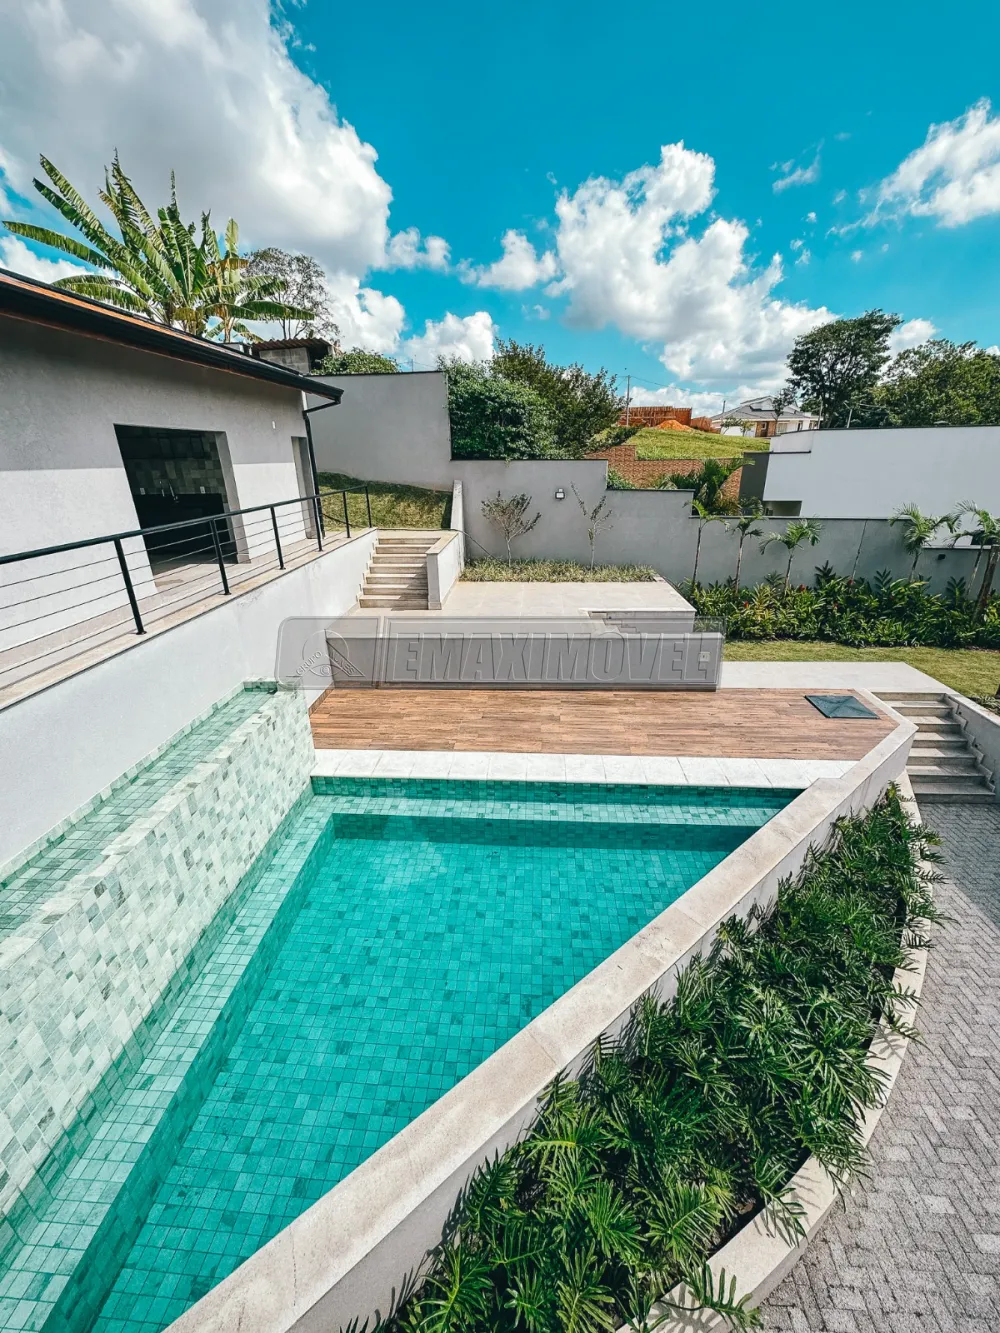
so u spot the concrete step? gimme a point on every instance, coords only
(895, 700)
(406, 543)
(953, 763)
(395, 590)
(931, 773)
(932, 744)
(390, 603)
(922, 708)
(939, 726)
(387, 566)
(947, 793)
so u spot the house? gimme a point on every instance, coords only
(760, 421)
(110, 423)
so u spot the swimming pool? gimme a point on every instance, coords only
(395, 935)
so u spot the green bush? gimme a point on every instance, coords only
(492, 417)
(357, 362)
(886, 613)
(491, 570)
(698, 1114)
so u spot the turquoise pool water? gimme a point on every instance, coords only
(399, 934)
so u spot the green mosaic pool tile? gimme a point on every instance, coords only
(81, 846)
(422, 944)
(580, 802)
(98, 1203)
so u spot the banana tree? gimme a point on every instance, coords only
(798, 531)
(156, 268)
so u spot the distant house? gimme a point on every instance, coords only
(758, 414)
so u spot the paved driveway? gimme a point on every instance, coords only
(917, 1247)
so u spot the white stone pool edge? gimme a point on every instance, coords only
(346, 1254)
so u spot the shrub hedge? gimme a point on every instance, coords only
(698, 1114)
(885, 613)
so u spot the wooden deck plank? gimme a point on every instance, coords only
(766, 724)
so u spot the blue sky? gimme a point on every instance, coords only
(484, 118)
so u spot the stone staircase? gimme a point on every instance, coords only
(397, 577)
(943, 765)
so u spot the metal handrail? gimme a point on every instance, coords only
(314, 500)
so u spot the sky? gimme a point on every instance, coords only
(673, 192)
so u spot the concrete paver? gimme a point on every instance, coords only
(915, 1248)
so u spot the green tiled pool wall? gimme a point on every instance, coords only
(61, 1274)
(102, 920)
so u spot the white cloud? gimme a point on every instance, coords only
(857, 256)
(800, 176)
(628, 259)
(407, 249)
(518, 268)
(804, 256)
(911, 334)
(455, 337)
(840, 196)
(797, 244)
(366, 317)
(954, 176)
(207, 87)
(15, 255)
(810, 217)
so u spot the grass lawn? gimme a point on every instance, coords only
(971, 671)
(393, 505)
(554, 571)
(651, 443)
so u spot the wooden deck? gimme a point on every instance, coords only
(764, 724)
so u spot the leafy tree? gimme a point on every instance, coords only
(599, 519)
(303, 285)
(510, 516)
(798, 531)
(357, 362)
(492, 417)
(782, 399)
(958, 383)
(839, 364)
(157, 268)
(919, 529)
(580, 404)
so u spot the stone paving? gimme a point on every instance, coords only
(916, 1247)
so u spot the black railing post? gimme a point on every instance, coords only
(218, 556)
(139, 628)
(318, 512)
(347, 521)
(277, 539)
(368, 502)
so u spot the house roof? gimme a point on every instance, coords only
(41, 303)
(764, 407)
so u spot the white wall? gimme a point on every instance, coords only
(70, 740)
(871, 473)
(387, 428)
(656, 528)
(61, 473)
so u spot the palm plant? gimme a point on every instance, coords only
(704, 515)
(156, 268)
(986, 535)
(919, 529)
(799, 530)
(744, 525)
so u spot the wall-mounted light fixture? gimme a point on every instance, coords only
(560, 493)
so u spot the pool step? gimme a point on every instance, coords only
(944, 766)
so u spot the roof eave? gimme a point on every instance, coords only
(39, 303)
